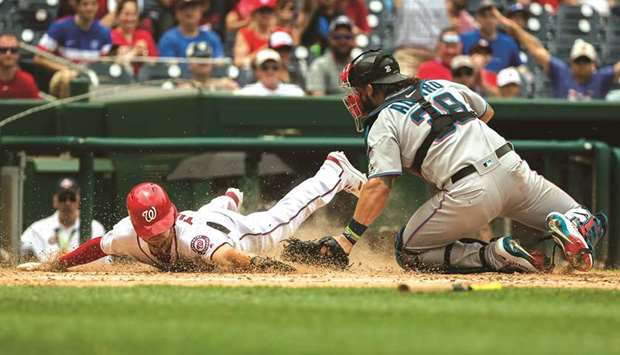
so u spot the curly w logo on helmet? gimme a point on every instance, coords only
(150, 214)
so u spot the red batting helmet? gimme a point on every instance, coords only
(150, 210)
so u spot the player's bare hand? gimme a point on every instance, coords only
(503, 20)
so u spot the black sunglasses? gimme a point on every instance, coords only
(67, 196)
(582, 60)
(463, 71)
(12, 50)
(342, 37)
(266, 67)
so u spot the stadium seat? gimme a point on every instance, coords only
(576, 22)
(380, 20)
(37, 15)
(111, 73)
(159, 71)
(611, 50)
(541, 23)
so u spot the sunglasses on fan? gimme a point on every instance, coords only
(267, 67)
(12, 50)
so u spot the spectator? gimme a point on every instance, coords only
(509, 83)
(417, 27)
(175, 41)
(131, 41)
(463, 71)
(460, 18)
(240, 16)
(448, 47)
(357, 11)
(313, 23)
(158, 17)
(577, 80)
(60, 232)
(68, 8)
(201, 71)
(80, 38)
(324, 75)
(291, 71)
(268, 63)
(285, 15)
(14, 82)
(486, 80)
(255, 36)
(504, 47)
(519, 13)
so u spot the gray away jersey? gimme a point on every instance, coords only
(401, 127)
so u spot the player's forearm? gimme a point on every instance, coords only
(373, 199)
(85, 253)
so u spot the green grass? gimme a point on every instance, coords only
(215, 320)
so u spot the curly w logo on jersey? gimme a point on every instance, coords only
(150, 214)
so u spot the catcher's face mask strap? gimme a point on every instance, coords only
(353, 103)
(344, 76)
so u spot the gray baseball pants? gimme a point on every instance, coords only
(509, 188)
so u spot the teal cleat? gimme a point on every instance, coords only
(514, 256)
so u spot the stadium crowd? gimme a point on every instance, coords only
(568, 49)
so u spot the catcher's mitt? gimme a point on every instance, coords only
(264, 264)
(309, 252)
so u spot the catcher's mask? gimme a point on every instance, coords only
(370, 67)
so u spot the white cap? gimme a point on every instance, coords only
(461, 61)
(582, 48)
(266, 54)
(508, 76)
(280, 39)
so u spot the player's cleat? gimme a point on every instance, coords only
(594, 229)
(512, 255)
(353, 179)
(565, 233)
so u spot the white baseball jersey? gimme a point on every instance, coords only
(200, 233)
(193, 244)
(401, 127)
(47, 237)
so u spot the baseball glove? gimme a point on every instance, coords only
(309, 252)
(264, 264)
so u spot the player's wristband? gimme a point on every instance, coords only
(353, 232)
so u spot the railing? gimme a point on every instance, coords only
(85, 148)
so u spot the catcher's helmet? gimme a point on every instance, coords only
(150, 210)
(370, 67)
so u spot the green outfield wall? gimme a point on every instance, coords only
(205, 115)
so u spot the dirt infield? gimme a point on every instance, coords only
(130, 275)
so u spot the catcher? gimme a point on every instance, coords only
(217, 235)
(438, 130)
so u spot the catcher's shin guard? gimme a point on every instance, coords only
(464, 256)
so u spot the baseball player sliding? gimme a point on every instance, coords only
(438, 130)
(217, 234)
